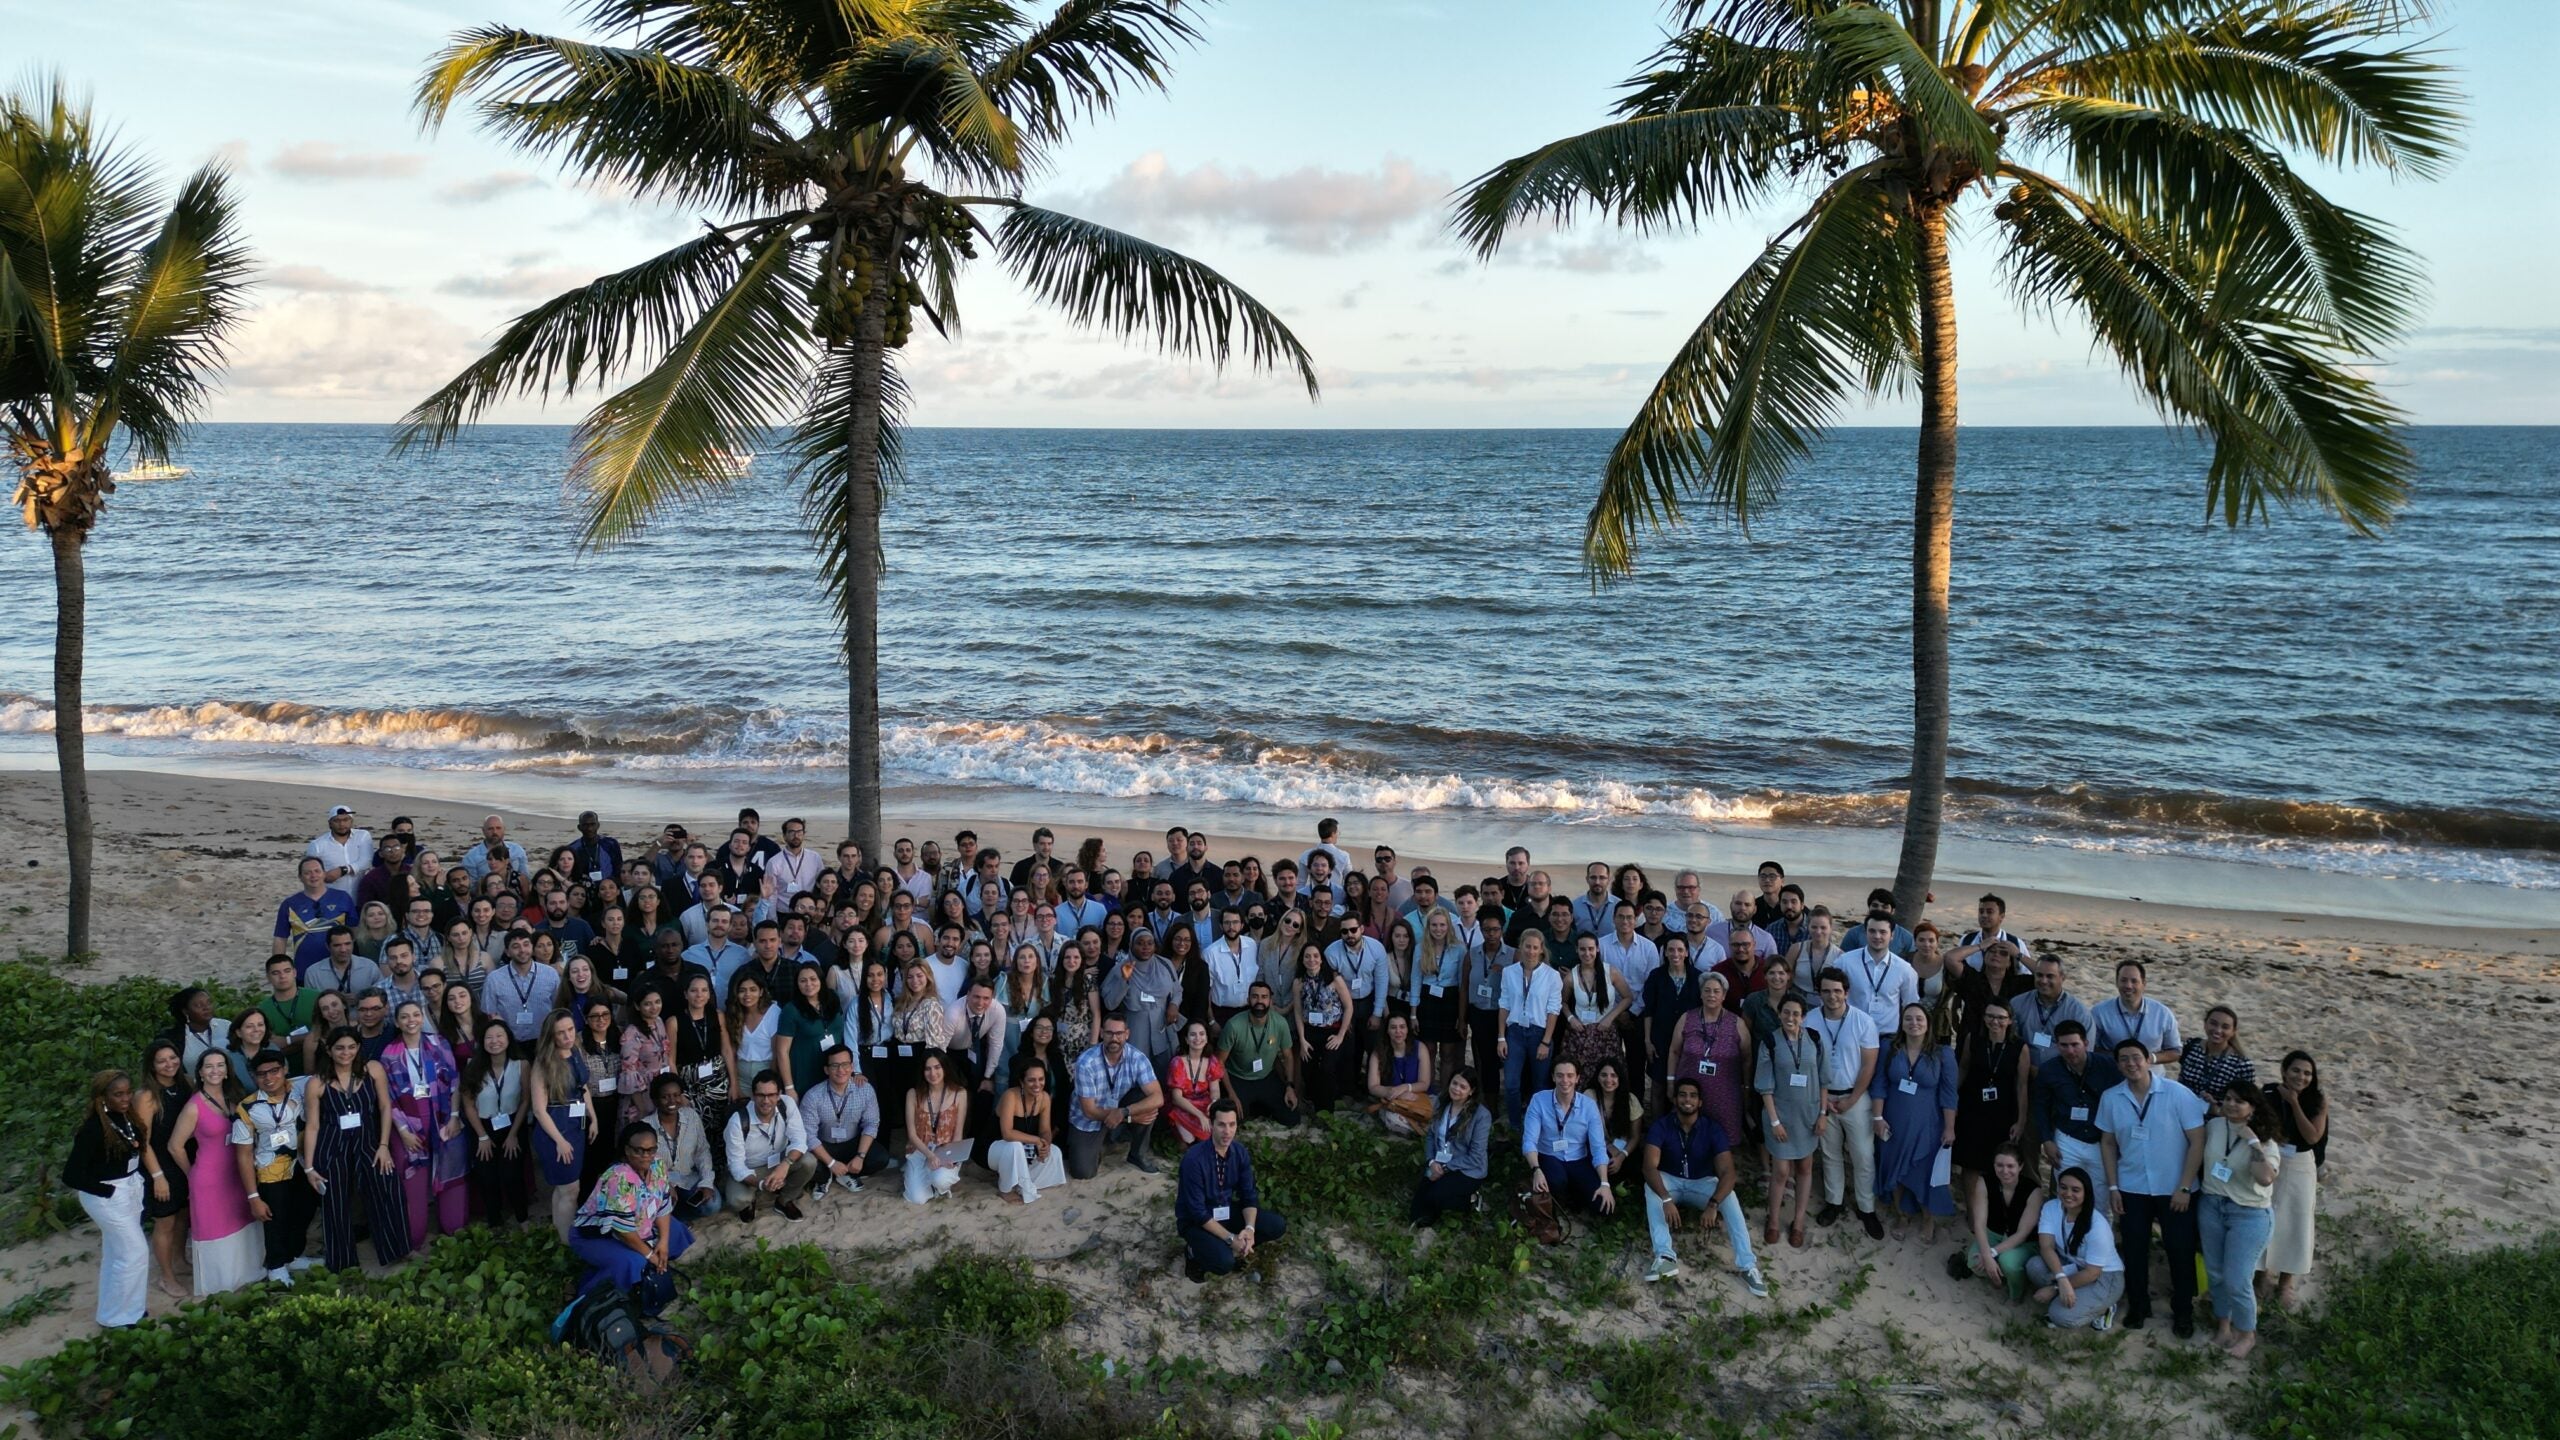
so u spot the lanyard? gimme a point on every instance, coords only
(523, 986)
(2142, 1112)
(836, 1103)
(417, 1068)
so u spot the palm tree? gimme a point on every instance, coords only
(2137, 160)
(115, 305)
(852, 150)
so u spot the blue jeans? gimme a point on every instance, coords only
(610, 1262)
(1523, 1064)
(2233, 1237)
(1696, 1195)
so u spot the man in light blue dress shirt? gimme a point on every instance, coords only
(2151, 1136)
(1563, 1139)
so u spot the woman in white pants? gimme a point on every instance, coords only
(936, 1110)
(1022, 1155)
(105, 1168)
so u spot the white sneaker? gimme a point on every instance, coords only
(280, 1275)
(303, 1262)
(853, 1184)
(1662, 1268)
(1752, 1281)
(826, 1183)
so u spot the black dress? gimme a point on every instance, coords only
(173, 1101)
(1986, 1101)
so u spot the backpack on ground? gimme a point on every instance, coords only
(615, 1325)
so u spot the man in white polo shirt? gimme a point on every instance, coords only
(1849, 1044)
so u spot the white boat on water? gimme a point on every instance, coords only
(152, 470)
(733, 463)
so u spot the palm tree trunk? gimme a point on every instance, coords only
(70, 640)
(862, 566)
(1932, 537)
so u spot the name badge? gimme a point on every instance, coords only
(419, 1091)
(706, 1069)
(349, 1121)
(1437, 991)
(2079, 1112)
(297, 1032)
(501, 1122)
(838, 1134)
(2222, 1170)
(577, 1110)
(879, 1052)
(2041, 1040)
(1908, 1087)
(1587, 1014)
(1706, 1067)
(827, 1041)
(621, 972)
(1990, 1093)
(524, 1019)
(1146, 999)
(1219, 1214)
(280, 1139)
(606, 1084)
(1797, 1081)
(906, 1051)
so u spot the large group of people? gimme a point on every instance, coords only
(630, 1041)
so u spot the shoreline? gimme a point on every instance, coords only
(2168, 886)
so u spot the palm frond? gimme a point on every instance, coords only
(589, 334)
(1072, 65)
(2300, 79)
(1860, 39)
(175, 319)
(666, 436)
(630, 117)
(925, 87)
(825, 442)
(1645, 172)
(1829, 308)
(1704, 69)
(75, 213)
(2220, 189)
(1126, 286)
(2212, 342)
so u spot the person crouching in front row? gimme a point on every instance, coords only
(768, 1153)
(1216, 1206)
(1565, 1142)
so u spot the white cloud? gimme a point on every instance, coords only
(1309, 209)
(519, 281)
(326, 160)
(343, 355)
(483, 189)
(312, 280)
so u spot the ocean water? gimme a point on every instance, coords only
(1377, 621)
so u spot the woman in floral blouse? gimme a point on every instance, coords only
(627, 1232)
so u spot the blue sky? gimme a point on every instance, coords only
(1306, 150)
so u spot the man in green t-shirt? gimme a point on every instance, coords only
(1261, 1061)
(288, 1008)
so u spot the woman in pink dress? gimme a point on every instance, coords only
(227, 1250)
(1708, 1047)
(433, 1154)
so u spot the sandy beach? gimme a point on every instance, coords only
(2425, 1034)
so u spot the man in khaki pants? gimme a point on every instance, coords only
(1848, 1143)
(768, 1150)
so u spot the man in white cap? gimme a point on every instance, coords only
(344, 851)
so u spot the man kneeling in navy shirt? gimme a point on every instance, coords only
(1215, 1204)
